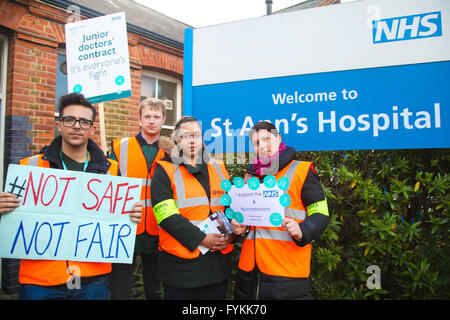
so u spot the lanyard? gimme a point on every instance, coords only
(85, 163)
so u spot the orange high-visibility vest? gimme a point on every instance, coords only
(272, 248)
(132, 164)
(56, 272)
(192, 202)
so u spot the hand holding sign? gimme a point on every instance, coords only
(136, 212)
(8, 202)
(238, 228)
(293, 228)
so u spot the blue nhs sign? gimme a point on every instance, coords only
(270, 194)
(417, 26)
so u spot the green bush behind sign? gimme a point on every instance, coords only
(388, 208)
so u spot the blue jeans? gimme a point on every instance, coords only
(93, 290)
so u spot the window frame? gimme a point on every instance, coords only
(4, 41)
(60, 51)
(3, 83)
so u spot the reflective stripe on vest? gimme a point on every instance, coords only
(294, 213)
(288, 212)
(33, 161)
(133, 164)
(270, 234)
(216, 166)
(123, 159)
(183, 202)
(147, 200)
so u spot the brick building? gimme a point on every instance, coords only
(33, 76)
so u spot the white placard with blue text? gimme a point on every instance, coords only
(260, 207)
(69, 215)
(372, 74)
(97, 58)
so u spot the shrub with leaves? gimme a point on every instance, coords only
(388, 208)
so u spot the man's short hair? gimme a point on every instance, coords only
(264, 125)
(153, 103)
(75, 98)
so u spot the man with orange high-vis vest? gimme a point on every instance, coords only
(72, 150)
(137, 157)
(275, 261)
(186, 191)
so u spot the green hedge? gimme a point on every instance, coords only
(388, 208)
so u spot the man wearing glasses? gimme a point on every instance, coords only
(72, 150)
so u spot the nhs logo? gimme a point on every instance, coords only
(270, 194)
(417, 26)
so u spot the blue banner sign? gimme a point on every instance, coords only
(349, 84)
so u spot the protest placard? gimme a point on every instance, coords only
(97, 58)
(69, 215)
(256, 204)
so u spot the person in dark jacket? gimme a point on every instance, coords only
(73, 150)
(136, 157)
(185, 190)
(275, 262)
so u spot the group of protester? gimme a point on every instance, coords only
(181, 187)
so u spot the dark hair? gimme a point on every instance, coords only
(75, 98)
(185, 119)
(264, 125)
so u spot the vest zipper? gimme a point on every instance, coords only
(257, 285)
(144, 218)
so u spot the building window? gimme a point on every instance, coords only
(61, 78)
(166, 88)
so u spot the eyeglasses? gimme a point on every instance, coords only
(195, 135)
(69, 122)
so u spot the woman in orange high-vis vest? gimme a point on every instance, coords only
(72, 150)
(275, 261)
(186, 191)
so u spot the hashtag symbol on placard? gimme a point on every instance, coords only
(14, 185)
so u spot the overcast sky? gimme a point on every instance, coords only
(200, 13)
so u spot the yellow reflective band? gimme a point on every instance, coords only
(318, 207)
(165, 209)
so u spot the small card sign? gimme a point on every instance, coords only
(256, 204)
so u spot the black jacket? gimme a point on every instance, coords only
(98, 163)
(210, 268)
(257, 285)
